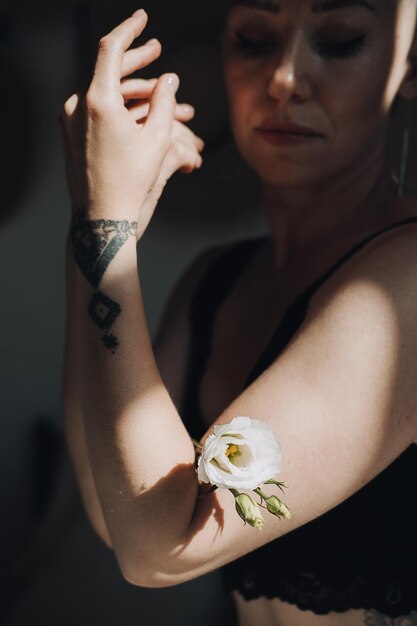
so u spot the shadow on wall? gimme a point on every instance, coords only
(17, 125)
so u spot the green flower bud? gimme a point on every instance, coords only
(248, 510)
(276, 507)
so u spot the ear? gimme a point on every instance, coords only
(408, 88)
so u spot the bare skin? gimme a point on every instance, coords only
(118, 398)
(232, 356)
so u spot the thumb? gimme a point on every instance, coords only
(162, 105)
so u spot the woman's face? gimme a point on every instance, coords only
(332, 66)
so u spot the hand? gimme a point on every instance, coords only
(179, 157)
(126, 137)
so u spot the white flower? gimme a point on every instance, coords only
(241, 455)
(248, 510)
(277, 507)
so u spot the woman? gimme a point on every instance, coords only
(311, 329)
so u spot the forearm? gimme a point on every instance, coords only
(141, 455)
(72, 416)
(74, 433)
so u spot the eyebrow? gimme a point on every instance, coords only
(272, 6)
(332, 5)
(263, 5)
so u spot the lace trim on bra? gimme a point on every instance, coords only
(310, 591)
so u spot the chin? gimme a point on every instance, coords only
(288, 175)
(284, 169)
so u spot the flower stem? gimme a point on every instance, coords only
(277, 483)
(261, 494)
(209, 491)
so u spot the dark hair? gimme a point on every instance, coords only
(227, 4)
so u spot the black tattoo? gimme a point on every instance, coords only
(96, 243)
(373, 618)
(103, 311)
(111, 342)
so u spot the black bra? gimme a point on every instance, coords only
(360, 555)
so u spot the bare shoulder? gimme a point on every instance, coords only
(172, 343)
(394, 250)
(384, 267)
(361, 326)
(368, 310)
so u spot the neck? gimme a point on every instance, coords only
(308, 220)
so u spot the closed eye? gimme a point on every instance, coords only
(340, 49)
(253, 46)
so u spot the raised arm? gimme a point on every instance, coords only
(342, 397)
(171, 349)
(136, 95)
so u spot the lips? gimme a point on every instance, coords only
(287, 128)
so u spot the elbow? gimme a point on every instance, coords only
(144, 579)
(138, 577)
(146, 575)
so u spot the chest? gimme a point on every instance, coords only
(241, 330)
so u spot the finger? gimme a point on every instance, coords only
(181, 158)
(137, 88)
(197, 141)
(68, 156)
(188, 169)
(183, 133)
(184, 112)
(191, 161)
(70, 119)
(140, 111)
(71, 105)
(112, 47)
(162, 107)
(138, 58)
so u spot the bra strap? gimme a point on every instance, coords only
(216, 284)
(297, 310)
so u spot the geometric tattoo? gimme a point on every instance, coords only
(373, 618)
(103, 311)
(96, 243)
(111, 342)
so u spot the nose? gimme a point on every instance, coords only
(290, 79)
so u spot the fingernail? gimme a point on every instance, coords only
(173, 81)
(138, 13)
(151, 42)
(187, 108)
